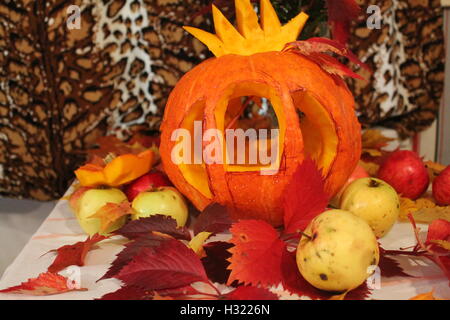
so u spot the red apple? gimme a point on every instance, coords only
(441, 188)
(406, 173)
(147, 182)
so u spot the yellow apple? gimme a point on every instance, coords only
(373, 200)
(336, 251)
(166, 201)
(90, 202)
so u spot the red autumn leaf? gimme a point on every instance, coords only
(169, 265)
(256, 255)
(45, 284)
(216, 261)
(317, 49)
(340, 15)
(131, 250)
(215, 219)
(251, 293)
(73, 254)
(304, 197)
(110, 213)
(294, 282)
(129, 293)
(391, 268)
(157, 223)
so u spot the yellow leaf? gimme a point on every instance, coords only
(423, 210)
(442, 243)
(425, 296)
(196, 244)
(374, 139)
(339, 296)
(370, 167)
(373, 152)
(110, 213)
(434, 169)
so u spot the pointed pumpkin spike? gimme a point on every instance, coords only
(269, 19)
(225, 30)
(214, 44)
(247, 19)
(293, 28)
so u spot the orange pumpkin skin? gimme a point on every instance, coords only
(250, 194)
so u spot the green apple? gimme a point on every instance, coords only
(373, 200)
(90, 202)
(166, 201)
(336, 251)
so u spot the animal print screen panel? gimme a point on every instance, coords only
(62, 88)
(407, 56)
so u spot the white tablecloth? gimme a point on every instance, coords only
(61, 228)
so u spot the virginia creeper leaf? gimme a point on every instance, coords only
(389, 267)
(45, 284)
(215, 219)
(251, 293)
(74, 254)
(132, 249)
(216, 261)
(169, 265)
(129, 293)
(256, 255)
(304, 197)
(340, 15)
(157, 223)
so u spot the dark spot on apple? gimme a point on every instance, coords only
(314, 236)
(373, 183)
(174, 198)
(323, 276)
(305, 259)
(398, 205)
(318, 255)
(374, 261)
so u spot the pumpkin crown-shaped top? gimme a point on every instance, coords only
(250, 37)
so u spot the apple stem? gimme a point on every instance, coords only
(304, 234)
(373, 183)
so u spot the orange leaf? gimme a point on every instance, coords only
(74, 254)
(423, 210)
(373, 139)
(45, 284)
(425, 296)
(110, 213)
(434, 169)
(120, 170)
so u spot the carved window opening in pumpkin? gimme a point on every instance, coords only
(259, 147)
(318, 129)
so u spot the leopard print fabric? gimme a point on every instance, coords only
(61, 88)
(407, 56)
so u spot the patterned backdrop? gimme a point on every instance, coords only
(61, 89)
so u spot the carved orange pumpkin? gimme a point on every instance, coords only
(327, 129)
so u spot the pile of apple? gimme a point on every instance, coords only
(149, 194)
(338, 250)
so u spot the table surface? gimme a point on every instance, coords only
(61, 228)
